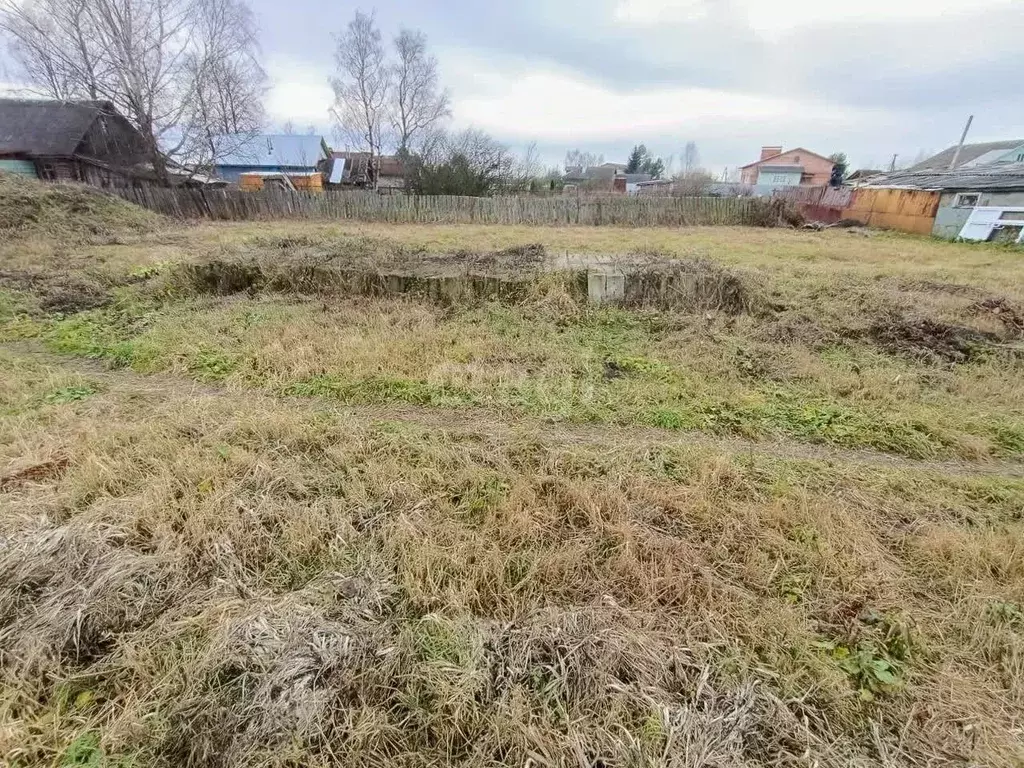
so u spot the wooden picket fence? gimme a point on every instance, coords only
(235, 205)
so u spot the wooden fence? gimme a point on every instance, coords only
(234, 205)
(825, 204)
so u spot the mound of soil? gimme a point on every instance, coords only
(29, 207)
(61, 292)
(690, 285)
(1009, 314)
(923, 339)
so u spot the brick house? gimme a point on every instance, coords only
(794, 167)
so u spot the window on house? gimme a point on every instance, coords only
(796, 158)
(965, 200)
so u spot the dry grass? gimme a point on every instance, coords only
(199, 568)
(205, 578)
(70, 211)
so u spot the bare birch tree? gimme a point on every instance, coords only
(576, 158)
(178, 70)
(361, 87)
(418, 104)
(229, 81)
(691, 157)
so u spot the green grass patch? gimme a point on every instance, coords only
(1009, 437)
(381, 389)
(70, 394)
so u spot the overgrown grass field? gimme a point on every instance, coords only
(276, 521)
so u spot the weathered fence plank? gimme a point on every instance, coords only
(227, 205)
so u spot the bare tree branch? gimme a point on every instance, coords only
(361, 87)
(181, 71)
(418, 103)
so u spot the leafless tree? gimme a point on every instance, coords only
(418, 103)
(228, 79)
(288, 128)
(576, 158)
(691, 157)
(178, 70)
(361, 87)
(692, 183)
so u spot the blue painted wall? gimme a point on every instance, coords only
(20, 167)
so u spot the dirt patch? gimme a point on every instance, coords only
(690, 285)
(796, 328)
(1009, 314)
(219, 277)
(59, 292)
(923, 339)
(531, 255)
(514, 274)
(35, 473)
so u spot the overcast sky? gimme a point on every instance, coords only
(868, 77)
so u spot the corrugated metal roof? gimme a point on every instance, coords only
(1003, 176)
(968, 154)
(271, 150)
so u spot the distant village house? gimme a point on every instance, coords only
(267, 153)
(354, 169)
(85, 141)
(792, 168)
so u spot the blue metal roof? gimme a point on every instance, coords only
(271, 150)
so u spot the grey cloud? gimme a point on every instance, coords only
(921, 77)
(921, 64)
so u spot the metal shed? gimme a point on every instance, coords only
(961, 194)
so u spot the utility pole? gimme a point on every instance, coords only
(963, 137)
(892, 165)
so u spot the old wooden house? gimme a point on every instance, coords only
(86, 141)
